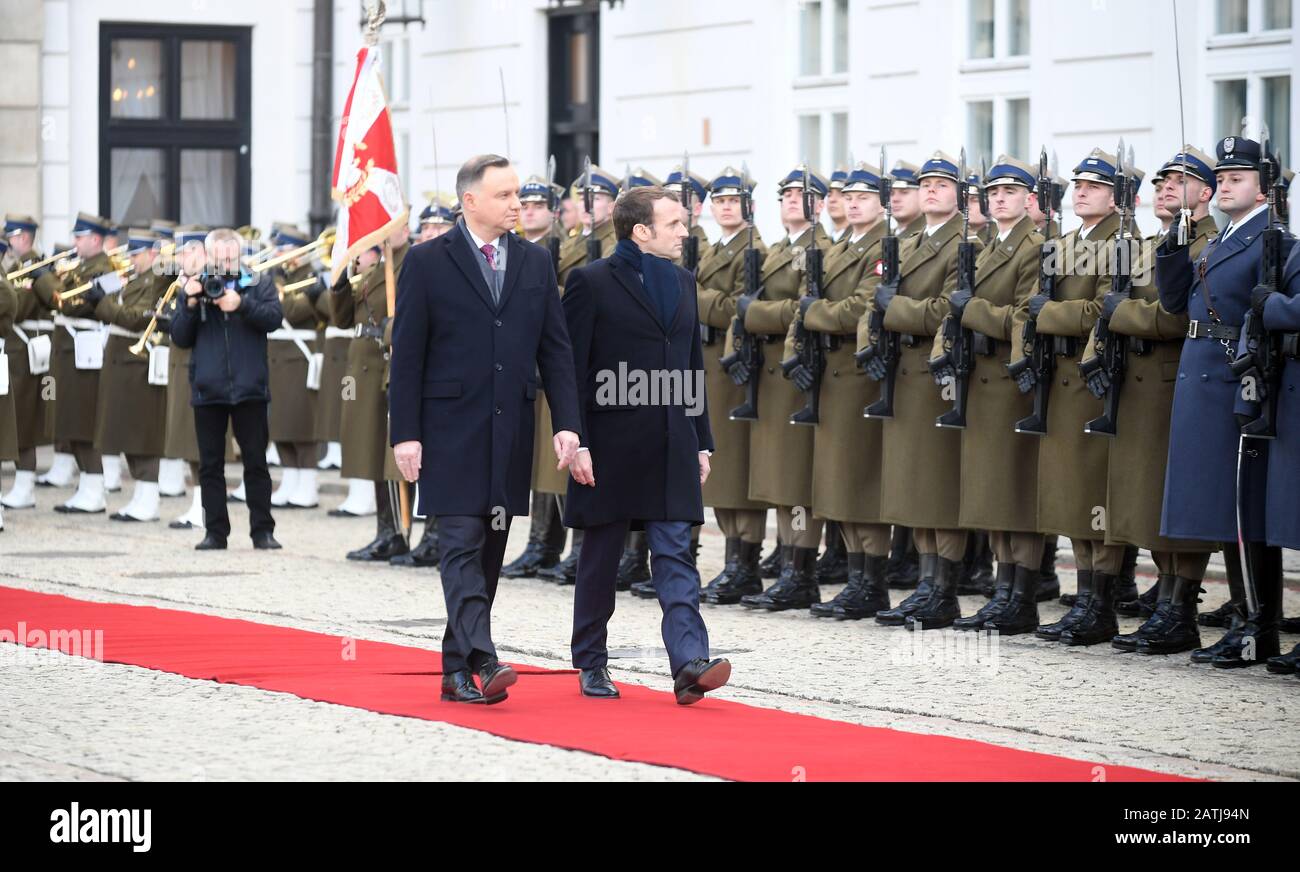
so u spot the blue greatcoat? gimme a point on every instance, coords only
(1200, 478)
(1282, 313)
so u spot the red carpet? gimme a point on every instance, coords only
(714, 737)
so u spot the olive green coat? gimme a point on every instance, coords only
(780, 453)
(77, 396)
(546, 478)
(846, 446)
(1072, 465)
(999, 470)
(720, 278)
(8, 414)
(293, 405)
(921, 476)
(132, 414)
(1136, 473)
(329, 405)
(35, 418)
(364, 425)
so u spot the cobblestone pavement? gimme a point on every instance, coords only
(85, 720)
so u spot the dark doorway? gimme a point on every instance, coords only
(573, 52)
(175, 104)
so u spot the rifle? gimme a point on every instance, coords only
(553, 204)
(745, 346)
(810, 347)
(691, 245)
(1112, 350)
(1040, 351)
(588, 198)
(958, 343)
(884, 344)
(1260, 361)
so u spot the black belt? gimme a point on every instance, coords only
(1211, 330)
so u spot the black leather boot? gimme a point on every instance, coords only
(942, 607)
(1144, 606)
(976, 566)
(904, 567)
(634, 566)
(731, 550)
(1049, 584)
(425, 554)
(1231, 641)
(1285, 664)
(863, 595)
(1160, 614)
(795, 589)
(1078, 605)
(770, 567)
(1098, 623)
(1289, 625)
(388, 542)
(897, 616)
(1021, 612)
(1001, 594)
(1233, 612)
(832, 566)
(566, 571)
(539, 553)
(1178, 632)
(1126, 589)
(744, 581)
(1259, 639)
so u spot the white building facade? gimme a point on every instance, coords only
(201, 111)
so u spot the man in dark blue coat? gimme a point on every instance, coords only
(646, 440)
(477, 315)
(225, 319)
(1201, 479)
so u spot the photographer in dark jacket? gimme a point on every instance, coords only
(225, 319)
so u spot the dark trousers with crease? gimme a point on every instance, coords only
(471, 554)
(676, 582)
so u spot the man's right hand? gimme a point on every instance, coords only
(192, 290)
(407, 457)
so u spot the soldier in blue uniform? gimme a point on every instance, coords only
(1201, 479)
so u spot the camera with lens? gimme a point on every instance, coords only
(214, 284)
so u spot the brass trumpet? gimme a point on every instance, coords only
(138, 348)
(306, 283)
(325, 240)
(67, 261)
(80, 289)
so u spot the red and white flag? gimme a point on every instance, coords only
(366, 186)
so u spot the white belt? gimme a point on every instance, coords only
(291, 335)
(35, 325)
(339, 333)
(72, 324)
(114, 330)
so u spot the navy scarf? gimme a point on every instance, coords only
(658, 277)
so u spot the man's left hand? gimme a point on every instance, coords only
(566, 445)
(229, 301)
(704, 467)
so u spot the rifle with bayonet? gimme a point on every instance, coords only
(745, 361)
(1259, 362)
(588, 204)
(553, 203)
(958, 343)
(880, 358)
(1104, 372)
(1039, 362)
(691, 244)
(810, 347)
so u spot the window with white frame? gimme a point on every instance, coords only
(822, 152)
(997, 29)
(823, 37)
(395, 68)
(1246, 101)
(997, 126)
(1251, 16)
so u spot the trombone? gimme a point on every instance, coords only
(138, 348)
(325, 240)
(67, 261)
(306, 283)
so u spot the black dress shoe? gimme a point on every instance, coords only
(1289, 625)
(644, 589)
(493, 679)
(211, 542)
(1222, 616)
(459, 687)
(1285, 664)
(70, 510)
(264, 541)
(596, 683)
(699, 677)
(381, 549)
(180, 525)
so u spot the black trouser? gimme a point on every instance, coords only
(471, 553)
(251, 432)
